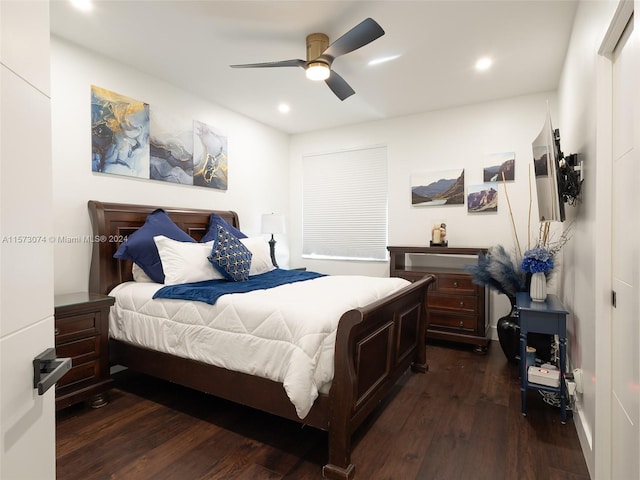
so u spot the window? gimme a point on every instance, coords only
(345, 205)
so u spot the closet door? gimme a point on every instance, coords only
(625, 430)
(27, 423)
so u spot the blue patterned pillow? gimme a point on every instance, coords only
(230, 257)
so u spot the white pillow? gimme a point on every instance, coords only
(139, 275)
(185, 262)
(261, 256)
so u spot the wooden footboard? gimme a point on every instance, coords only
(374, 346)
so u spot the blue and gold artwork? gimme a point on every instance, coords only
(171, 141)
(119, 134)
(210, 166)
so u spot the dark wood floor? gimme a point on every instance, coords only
(461, 420)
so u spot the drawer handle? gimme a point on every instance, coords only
(461, 323)
(462, 304)
(56, 331)
(455, 284)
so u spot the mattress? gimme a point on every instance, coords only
(286, 333)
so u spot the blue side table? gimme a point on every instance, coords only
(549, 317)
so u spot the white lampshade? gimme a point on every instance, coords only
(318, 71)
(272, 223)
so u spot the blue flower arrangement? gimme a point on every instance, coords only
(498, 269)
(536, 260)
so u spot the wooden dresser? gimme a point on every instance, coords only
(81, 333)
(457, 308)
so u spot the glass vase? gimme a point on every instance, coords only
(538, 288)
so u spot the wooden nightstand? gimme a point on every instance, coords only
(82, 333)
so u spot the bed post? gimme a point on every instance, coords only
(419, 364)
(341, 401)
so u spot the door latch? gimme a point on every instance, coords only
(47, 370)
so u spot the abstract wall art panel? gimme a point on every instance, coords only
(171, 142)
(210, 168)
(119, 134)
(444, 187)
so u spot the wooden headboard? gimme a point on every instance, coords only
(113, 222)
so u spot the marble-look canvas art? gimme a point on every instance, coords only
(210, 168)
(119, 134)
(171, 143)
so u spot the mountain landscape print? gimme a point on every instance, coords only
(498, 164)
(482, 198)
(445, 187)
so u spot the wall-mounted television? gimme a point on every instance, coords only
(546, 164)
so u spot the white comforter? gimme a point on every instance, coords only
(285, 334)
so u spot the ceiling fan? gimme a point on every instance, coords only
(320, 55)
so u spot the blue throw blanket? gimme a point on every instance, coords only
(210, 290)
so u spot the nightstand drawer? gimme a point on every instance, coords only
(458, 322)
(80, 373)
(84, 325)
(80, 350)
(456, 284)
(458, 303)
(82, 334)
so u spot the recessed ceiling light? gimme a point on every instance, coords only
(377, 61)
(284, 108)
(84, 5)
(484, 63)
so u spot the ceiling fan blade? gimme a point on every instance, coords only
(283, 63)
(339, 86)
(360, 35)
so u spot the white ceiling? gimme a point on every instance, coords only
(192, 43)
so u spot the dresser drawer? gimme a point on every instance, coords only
(77, 326)
(458, 303)
(452, 321)
(80, 350)
(456, 284)
(87, 371)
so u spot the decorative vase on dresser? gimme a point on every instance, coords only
(538, 287)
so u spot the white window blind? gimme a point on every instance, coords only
(345, 205)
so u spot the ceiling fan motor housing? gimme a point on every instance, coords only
(317, 43)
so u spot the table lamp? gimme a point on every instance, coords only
(273, 223)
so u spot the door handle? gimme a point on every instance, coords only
(47, 370)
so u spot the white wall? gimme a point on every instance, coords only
(587, 258)
(440, 140)
(258, 157)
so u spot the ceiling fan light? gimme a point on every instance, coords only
(318, 71)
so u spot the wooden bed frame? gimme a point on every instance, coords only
(375, 344)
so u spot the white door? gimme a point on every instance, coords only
(625, 430)
(27, 420)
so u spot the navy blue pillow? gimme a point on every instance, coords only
(212, 231)
(141, 249)
(230, 257)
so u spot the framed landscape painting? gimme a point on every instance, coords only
(482, 198)
(498, 164)
(444, 187)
